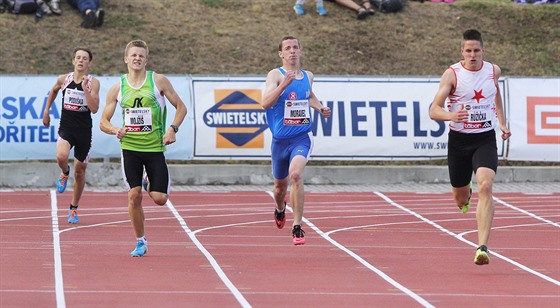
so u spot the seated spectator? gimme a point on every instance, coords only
(298, 7)
(364, 10)
(49, 6)
(92, 15)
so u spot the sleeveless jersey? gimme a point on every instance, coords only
(291, 114)
(474, 91)
(144, 114)
(75, 111)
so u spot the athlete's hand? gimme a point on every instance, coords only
(460, 115)
(505, 132)
(326, 112)
(46, 119)
(120, 133)
(169, 137)
(289, 77)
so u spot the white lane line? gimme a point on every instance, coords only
(209, 257)
(380, 273)
(460, 237)
(526, 212)
(58, 281)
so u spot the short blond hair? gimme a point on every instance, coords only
(136, 43)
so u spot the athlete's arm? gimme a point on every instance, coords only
(92, 96)
(110, 106)
(166, 88)
(314, 101)
(52, 95)
(437, 112)
(499, 105)
(276, 83)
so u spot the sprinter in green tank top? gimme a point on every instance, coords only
(144, 135)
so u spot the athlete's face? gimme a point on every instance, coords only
(290, 52)
(136, 58)
(472, 53)
(81, 60)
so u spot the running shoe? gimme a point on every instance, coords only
(73, 217)
(280, 217)
(481, 256)
(99, 17)
(465, 208)
(61, 183)
(140, 250)
(298, 235)
(321, 10)
(145, 181)
(299, 9)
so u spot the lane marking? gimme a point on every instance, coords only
(380, 273)
(526, 212)
(209, 257)
(58, 281)
(460, 237)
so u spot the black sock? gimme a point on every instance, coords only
(73, 207)
(67, 172)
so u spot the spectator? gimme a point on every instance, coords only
(320, 8)
(364, 10)
(49, 6)
(92, 15)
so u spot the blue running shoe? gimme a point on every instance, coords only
(61, 183)
(73, 217)
(321, 10)
(140, 250)
(299, 9)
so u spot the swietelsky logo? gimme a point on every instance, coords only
(238, 118)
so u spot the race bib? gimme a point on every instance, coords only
(74, 100)
(296, 112)
(138, 120)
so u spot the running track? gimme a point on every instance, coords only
(222, 249)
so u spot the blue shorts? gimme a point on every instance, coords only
(284, 150)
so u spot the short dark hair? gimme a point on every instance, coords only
(285, 38)
(472, 35)
(84, 49)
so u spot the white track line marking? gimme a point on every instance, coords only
(208, 255)
(380, 273)
(526, 213)
(58, 281)
(460, 237)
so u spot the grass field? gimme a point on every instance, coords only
(241, 36)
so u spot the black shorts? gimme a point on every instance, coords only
(80, 140)
(468, 152)
(134, 163)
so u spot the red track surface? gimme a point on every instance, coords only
(218, 249)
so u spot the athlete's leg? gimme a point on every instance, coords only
(461, 195)
(135, 210)
(79, 181)
(62, 152)
(280, 189)
(485, 207)
(297, 189)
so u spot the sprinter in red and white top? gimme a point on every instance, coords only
(474, 108)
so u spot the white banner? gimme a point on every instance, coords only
(534, 119)
(23, 136)
(372, 119)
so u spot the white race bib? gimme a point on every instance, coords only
(137, 120)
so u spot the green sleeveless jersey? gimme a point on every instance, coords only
(144, 115)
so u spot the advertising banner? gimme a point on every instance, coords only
(535, 120)
(372, 119)
(24, 137)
